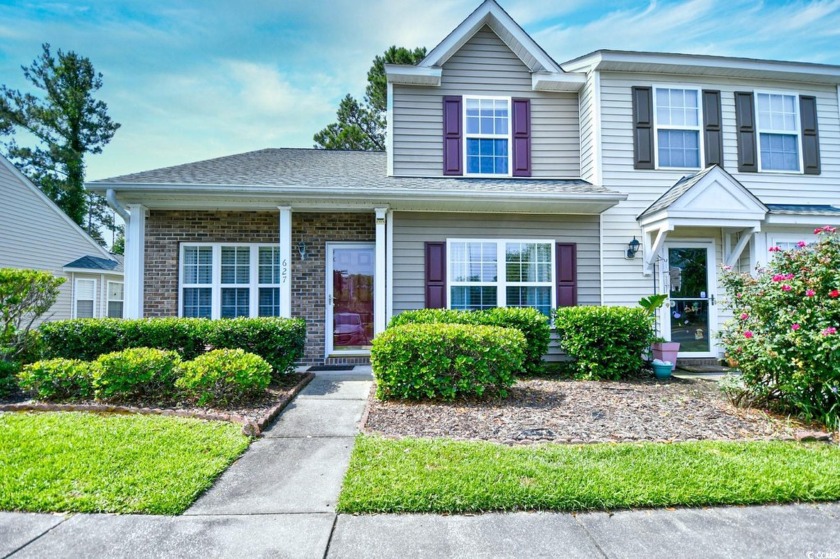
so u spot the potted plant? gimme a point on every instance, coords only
(660, 348)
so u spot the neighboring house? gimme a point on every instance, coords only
(37, 234)
(509, 180)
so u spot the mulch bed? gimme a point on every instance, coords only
(569, 411)
(254, 415)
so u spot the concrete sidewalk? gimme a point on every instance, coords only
(278, 500)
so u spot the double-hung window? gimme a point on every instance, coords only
(84, 298)
(487, 125)
(678, 120)
(115, 299)
(485, 274)
(223, 280)
(778, 132)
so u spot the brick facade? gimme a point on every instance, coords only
(165, 230)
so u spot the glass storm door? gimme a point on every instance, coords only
(349, 317)
(689, 277)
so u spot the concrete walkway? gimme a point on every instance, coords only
(279, 500)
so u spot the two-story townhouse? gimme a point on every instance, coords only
(509, 180)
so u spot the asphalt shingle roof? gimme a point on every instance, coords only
(803, 209)
(351, 170)
(96, 263)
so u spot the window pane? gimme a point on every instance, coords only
(779, 152)
(235, 302)
(536, 297)
(236, 264)
(487, 156)
(473, 297)
(115, 309)
(198, 265)
(677, 107)
(84, 309)
(269, 304)
(528, 262)
(269, 262)
(115, 291)
(197, 302)
(777, 112)
(472, 262)
(679, 148)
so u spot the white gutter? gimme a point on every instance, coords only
(111, 198)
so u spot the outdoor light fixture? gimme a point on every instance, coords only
(302, 250)
(633, 248)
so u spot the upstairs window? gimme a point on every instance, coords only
(778, 132)
(678, 123)
(487, 126)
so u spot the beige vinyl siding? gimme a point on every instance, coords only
(413, 229)
(33, 235)
(624, 282)
(101, 294)
(484, 66)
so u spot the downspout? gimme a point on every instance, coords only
(111, 198)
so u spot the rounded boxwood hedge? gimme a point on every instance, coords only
(531, 322)
(445, 361)
(136, 373)
(224, 376)
(57, 379)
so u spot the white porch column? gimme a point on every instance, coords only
(285, 261)
(135, 243)
(389, 267)
(379, 280)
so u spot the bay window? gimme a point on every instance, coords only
(485, 274)
(227, 280)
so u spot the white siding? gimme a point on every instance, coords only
(33, 235)
(484, 66)
(412, 230)
(588, 138)
(624, 282)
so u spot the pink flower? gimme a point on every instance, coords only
(778, 277)
(786, 287)
(810, 293)
(829, 331)
(795, 327)
(834, 294)
(777, 249)
(744, 316)
(829, 229)
(748, 334)
(727, 268)
(788, 276)
(818, 230)
(801, 244)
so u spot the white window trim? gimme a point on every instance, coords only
(467, 136)
(501, 284)
(698, 128)
(108, 299)
(759, 131)
(76, 295)
(216, 278)
(791, 238)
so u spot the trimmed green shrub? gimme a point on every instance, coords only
(88, 338)
(785, 334)
(58, 379)
(445, 361)
(606, 343)
(224, 376)
(8, 377)
(136, 373)
(279, 341)
(531, 322)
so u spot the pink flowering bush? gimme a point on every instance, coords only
(784, 334)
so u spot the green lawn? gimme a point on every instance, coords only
(440, 475)
(81, 462)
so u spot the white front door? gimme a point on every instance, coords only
(689, 279)
(349, 288)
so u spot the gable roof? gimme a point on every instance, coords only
(53, 209)
(95, 263)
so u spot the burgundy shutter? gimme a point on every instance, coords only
(712, 134)
(452, 136)
(436, 275)
(566, 274)
(642, 128)
(521, 137)
(745, 127)
(810, 134)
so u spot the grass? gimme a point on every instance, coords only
(81, 462)
(445, 476)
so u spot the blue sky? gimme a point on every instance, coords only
(194, 80)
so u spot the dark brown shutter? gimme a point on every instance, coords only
(642, 128)
(521, 126)
(810, 134)
(712, 134)
(452, 136)
(745, 127)
(566, 274)
(436, 275)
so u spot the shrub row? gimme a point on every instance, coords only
(606, 343)
(413, 361)
(530, 322)
(220, 376)
(279, 341)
